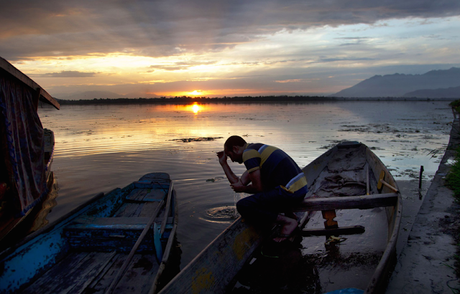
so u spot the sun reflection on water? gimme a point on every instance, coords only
(195, 107)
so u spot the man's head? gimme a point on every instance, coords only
(234, 148)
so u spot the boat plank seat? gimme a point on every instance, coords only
(143, 195)
(138, 206)
(110, 233)
(348, 202)
(350, 230)
(110, 222)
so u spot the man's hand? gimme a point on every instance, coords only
(239, 187)
(232, 178)
(222, 157)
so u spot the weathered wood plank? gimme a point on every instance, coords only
(109, 222)
(135, 247)
(216, 266)
(137, 278)
(108, 265)
(172, 221)
(155, 195)
(75, 272)
(146, 195)
(137, 195)
(104, 240)
(348, 202)
(147, 209)
(107, 234)
(72, 270)
(134, 209)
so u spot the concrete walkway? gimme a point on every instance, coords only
(426, 263)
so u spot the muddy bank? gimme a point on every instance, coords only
(427, 261)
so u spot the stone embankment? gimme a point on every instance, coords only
(427, 261)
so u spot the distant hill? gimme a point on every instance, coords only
(90, 95)
(401, 85)
(453, 92)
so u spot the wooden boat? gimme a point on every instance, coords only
(348, 181)
(49, 151)
(118, 242)
(26, 151)
(16, 226)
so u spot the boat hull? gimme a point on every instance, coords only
(86, 250)
(363, 209)
(13, 225)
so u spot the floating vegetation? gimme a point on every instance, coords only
(377, 128)
(435, 152)
(329, 146)
(198, 139)
(214, 179)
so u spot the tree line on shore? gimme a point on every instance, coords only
(238, 99)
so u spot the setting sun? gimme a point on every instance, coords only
(196, 92)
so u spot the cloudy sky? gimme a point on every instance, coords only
(150, 48)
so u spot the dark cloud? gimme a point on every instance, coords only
(345, 59)
(180, 65)
(351, 41)
(163, 28)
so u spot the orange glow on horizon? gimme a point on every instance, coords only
(196, 93)
(232, 93)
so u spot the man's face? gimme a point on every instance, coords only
(234, 155)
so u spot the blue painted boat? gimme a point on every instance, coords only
(118, 242)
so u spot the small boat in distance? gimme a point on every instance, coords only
(118, 242)
(350, 245)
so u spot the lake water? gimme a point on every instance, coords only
(102, 147)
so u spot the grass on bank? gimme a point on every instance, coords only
(453, 182)
(453, 177)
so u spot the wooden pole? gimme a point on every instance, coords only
(367, 180)
(389, 186)
(420, 177)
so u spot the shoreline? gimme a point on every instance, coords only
(239, 100)
(427, 262)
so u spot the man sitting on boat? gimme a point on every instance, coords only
(275, 180)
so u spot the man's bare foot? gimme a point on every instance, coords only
(288, 226)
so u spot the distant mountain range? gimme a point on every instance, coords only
(433, 84)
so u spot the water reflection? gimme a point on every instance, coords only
(102, 147)
(36, 219)
(225, 214)
(194, 108)
(278, 268)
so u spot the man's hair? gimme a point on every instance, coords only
(234, 141)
